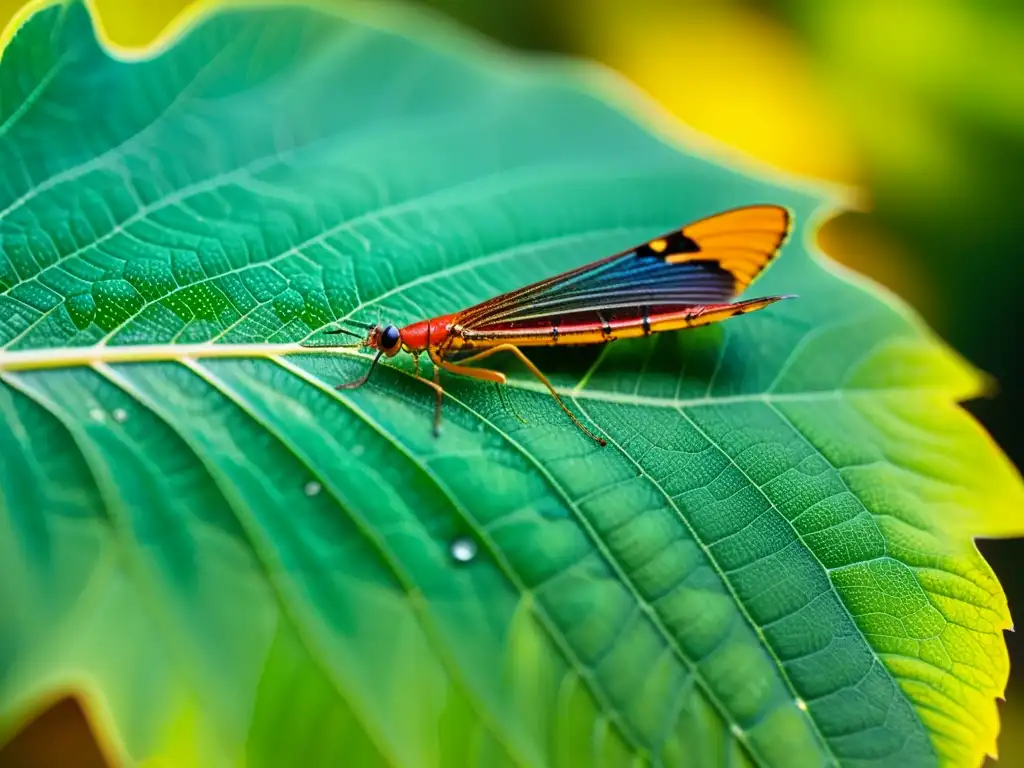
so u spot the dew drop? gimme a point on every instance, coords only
(312, 488)
(120, 415)
(96, 414)
(801, 705)
(463, 549)
(357, 451)
(737, 731)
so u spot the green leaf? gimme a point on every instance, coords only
(234, 563)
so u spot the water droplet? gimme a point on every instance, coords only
(463, 549)
(97, 415)
(801, 705)
(737, 731)
(312, 488)
(357, 451)
(120, 415)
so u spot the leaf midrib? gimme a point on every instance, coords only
(84, 357)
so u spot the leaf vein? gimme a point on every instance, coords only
(264, 558)
(542, 614)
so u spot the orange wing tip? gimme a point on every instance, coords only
(742, 240)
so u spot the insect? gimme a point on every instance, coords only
(683, 279)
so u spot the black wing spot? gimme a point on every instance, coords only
(670, 245)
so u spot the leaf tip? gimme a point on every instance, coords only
(987, 384)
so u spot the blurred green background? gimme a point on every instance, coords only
(916, 105)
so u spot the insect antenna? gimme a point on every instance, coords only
(344, 330)
(334, 332)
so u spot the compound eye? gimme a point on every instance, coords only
(390, 338)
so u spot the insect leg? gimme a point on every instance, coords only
(440, 394)
(362, 379)
(488, 375)
(473, 373)
(434, 385)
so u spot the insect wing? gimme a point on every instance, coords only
(710, 261)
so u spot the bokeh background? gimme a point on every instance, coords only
(917, 104)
